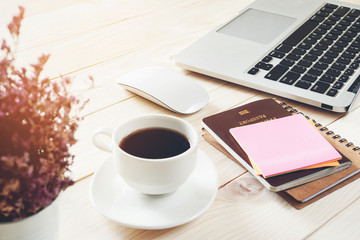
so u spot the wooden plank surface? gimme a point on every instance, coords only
(108, 38)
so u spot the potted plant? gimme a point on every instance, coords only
(38, 119)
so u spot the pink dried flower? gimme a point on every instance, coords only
(36, 132)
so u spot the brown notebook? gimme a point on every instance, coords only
(217, 125)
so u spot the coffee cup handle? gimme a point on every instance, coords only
(100, 142)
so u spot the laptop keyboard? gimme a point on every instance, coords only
(321, 55)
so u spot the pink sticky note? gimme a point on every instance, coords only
(284, 145)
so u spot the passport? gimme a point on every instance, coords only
(218, 126)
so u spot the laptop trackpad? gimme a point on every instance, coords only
(256, 25)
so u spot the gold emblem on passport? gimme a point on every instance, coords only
(243, 112)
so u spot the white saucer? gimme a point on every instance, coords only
(115, 200)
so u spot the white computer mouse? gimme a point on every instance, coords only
(167, 88)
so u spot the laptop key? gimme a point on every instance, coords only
(327, 9)
(311, 40)
(354, 65)
(264, 66)
(336, 31)
(287, 62)
(321, 65)
(315, 71)
(284, 48)
(348, 55)
(276, 72)
(267, 59)
(267, 67)
(305, 63)
(346, 38)
(355, 28)
(326, 59)
(341, 11)
(322, 13)
(316, 52)
(253, 71)
(336, 48)
(299, 51)
(330, 21)
(296, 37)
(309, 78)
(344, 60)
(350, 33)
(320, 87)
(331, 54)
(293, 56)
(290, 78)
(311, 57)
(344, 78)
(316, 35)
(260, 65)
(332, 6)
(326, 26)
(318, 18)
(333, 72)
(354, 13)
(320, 30)
(327, 41)
(327, 78)
(341, 27)
(299, 69)
(353, 49)
(349, 72)
(334, 18)
(341, 43)
(277, 54)
(321, 46)
(305, 45)
(332, 92)
(338, 85)
(349, 18)
(346, 22)
(355, 43)
(303, 84)
(331, 36)
(338, 66)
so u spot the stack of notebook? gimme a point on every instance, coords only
(252, 132)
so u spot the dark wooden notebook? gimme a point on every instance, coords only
(217, 127)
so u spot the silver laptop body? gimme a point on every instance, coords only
(231, 51)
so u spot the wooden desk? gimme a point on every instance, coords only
(108, 38)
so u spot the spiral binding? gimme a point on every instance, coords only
(322, 129)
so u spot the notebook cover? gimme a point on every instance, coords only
(258, 111)
(342, 178)
(321, 187)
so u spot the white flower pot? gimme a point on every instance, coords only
(42, 225)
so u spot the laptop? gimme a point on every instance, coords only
(304, 50)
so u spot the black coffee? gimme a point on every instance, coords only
(155, 143)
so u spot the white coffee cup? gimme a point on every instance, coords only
(150, 176)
